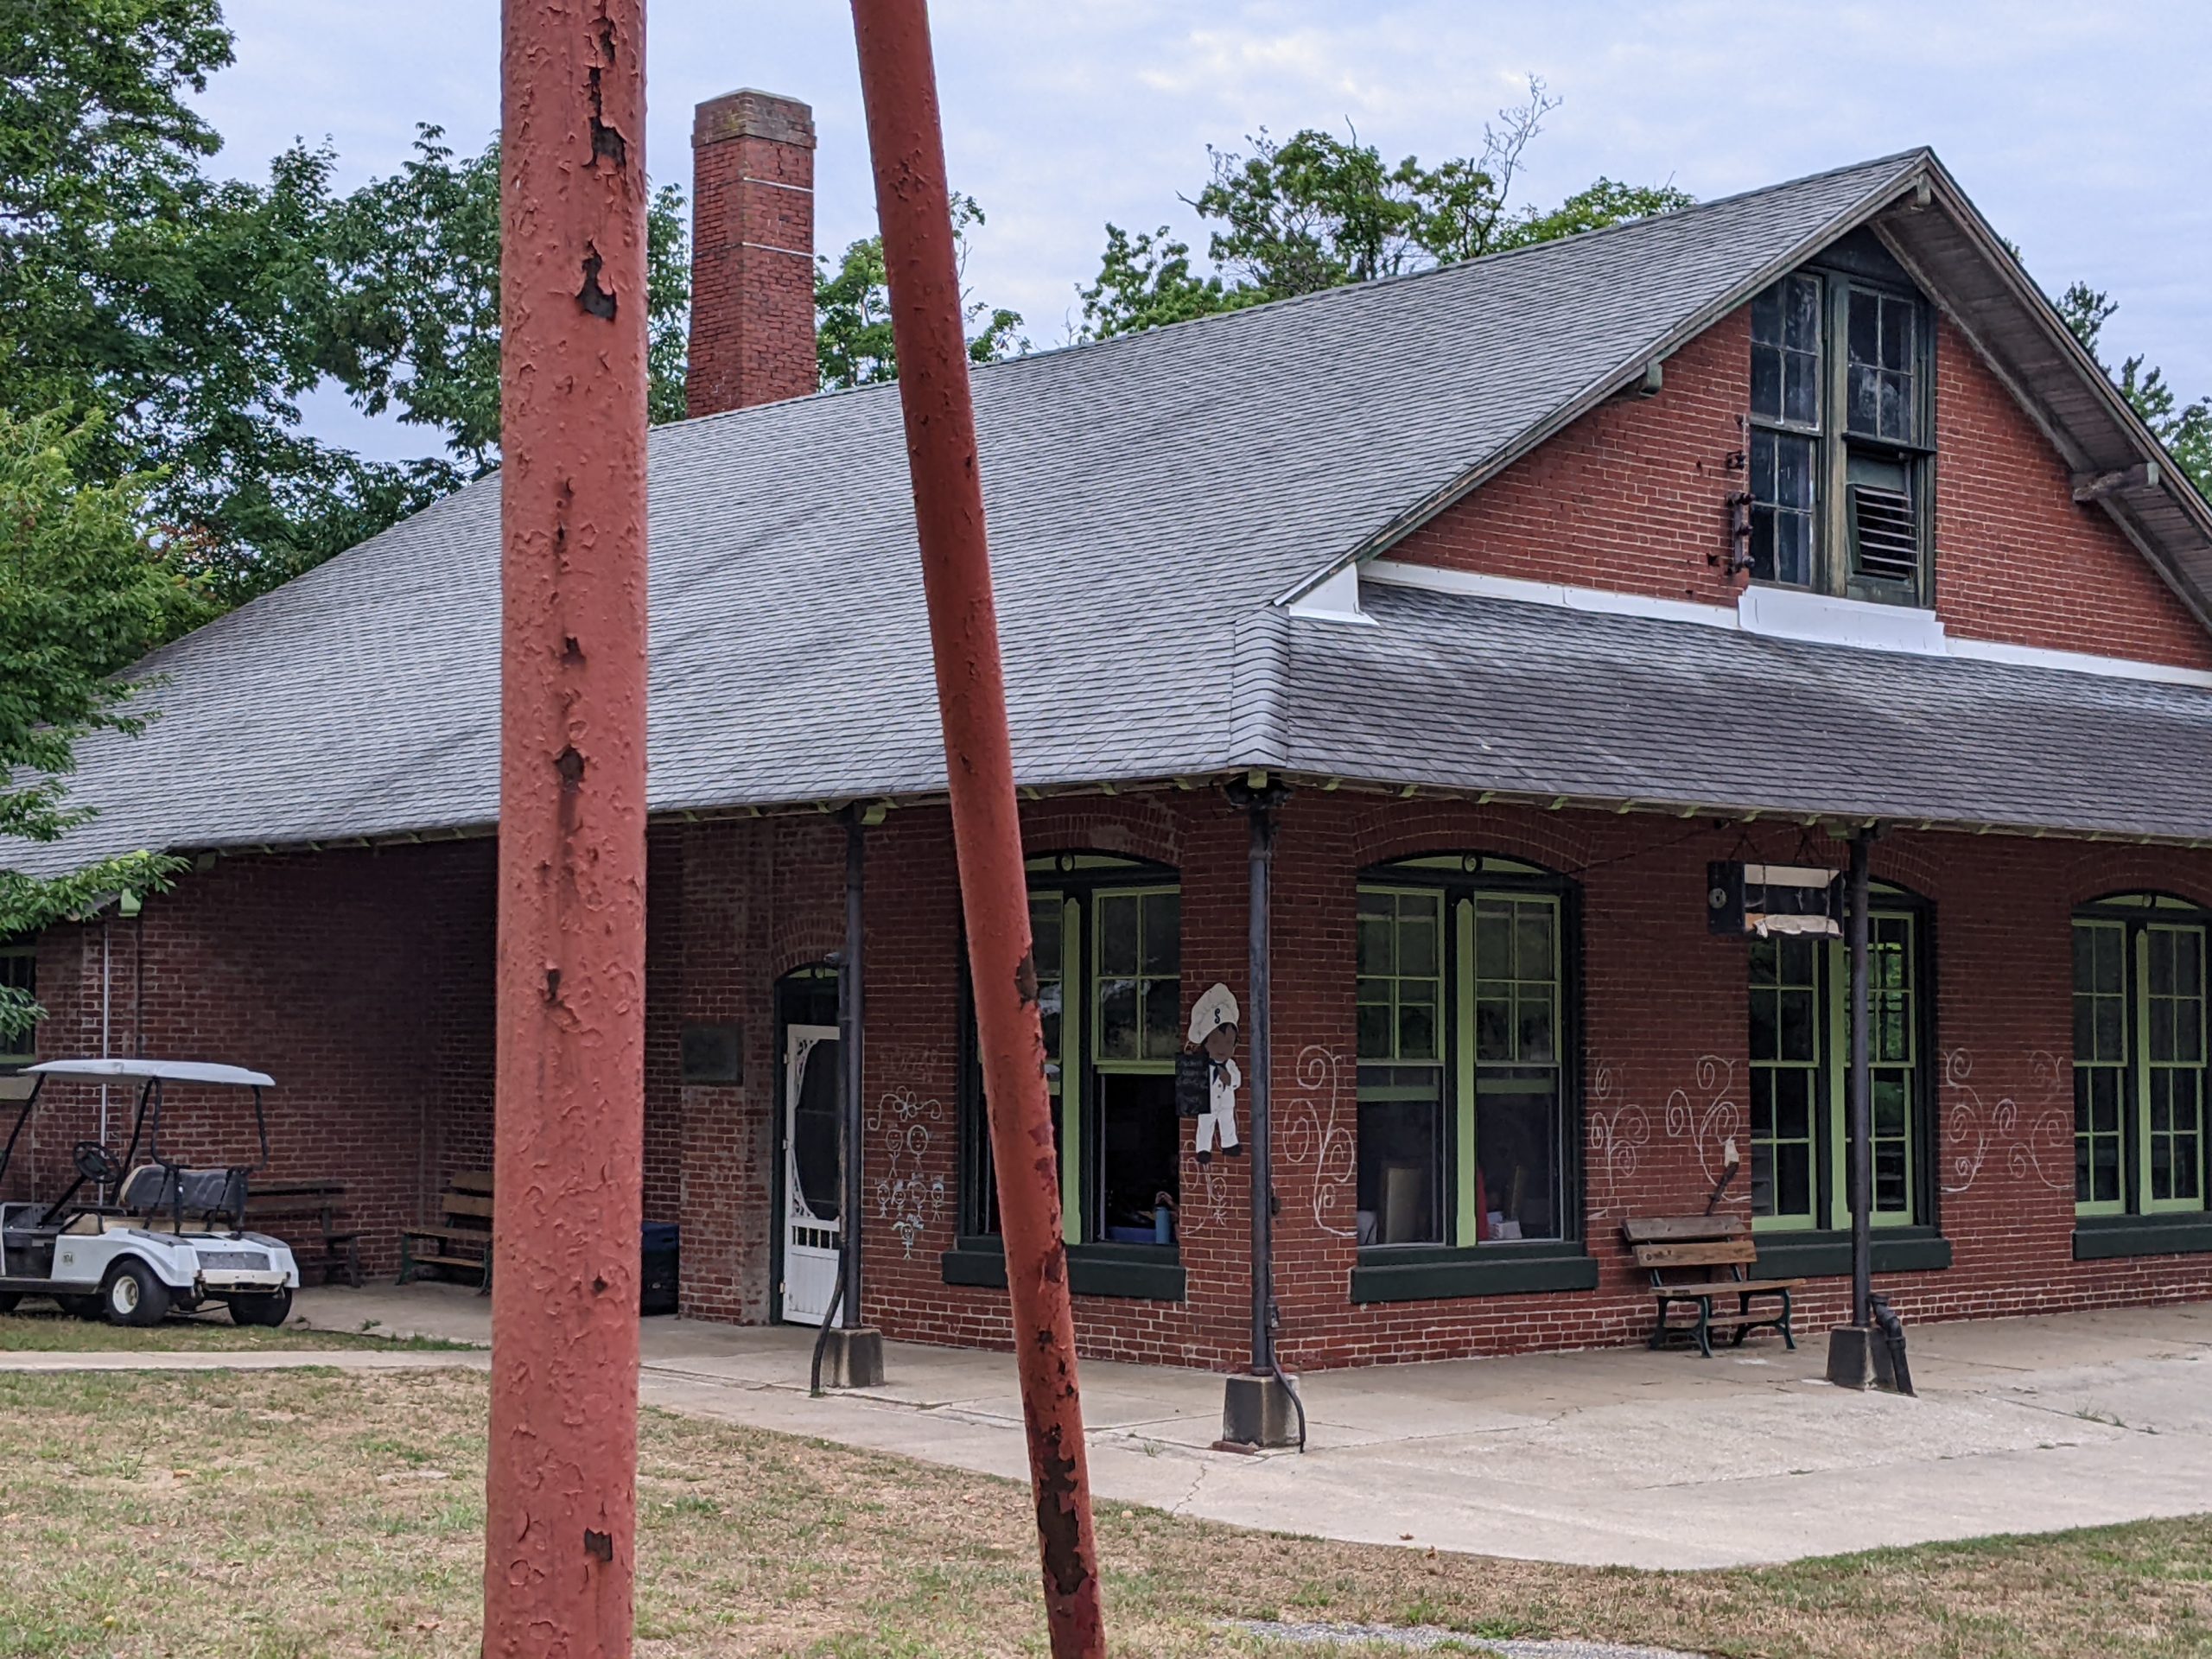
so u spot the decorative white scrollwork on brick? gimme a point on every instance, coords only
(1705, 1114)
(1619, 1131)
(2036, 1142)
(908, 1194)
(1318, 1130)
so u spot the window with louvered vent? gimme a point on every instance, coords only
(1885, 534)
(1839, 455)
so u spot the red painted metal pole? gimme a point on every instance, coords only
(560, 1508)
(898, 84)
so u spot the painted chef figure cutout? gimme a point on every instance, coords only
(1213, 1033)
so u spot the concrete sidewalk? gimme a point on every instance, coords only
(1611, 1456)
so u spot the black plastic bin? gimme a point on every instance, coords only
(662, 1247)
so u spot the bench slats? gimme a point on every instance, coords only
(472, 1180)
(471, 1261)
(1703, 1288)
(482, 1233)
(1662, 1230)
(1696, 1255)
(462, 1204)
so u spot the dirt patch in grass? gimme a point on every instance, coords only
(40, 1327)
(287, 1513)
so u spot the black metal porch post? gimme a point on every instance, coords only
(850, 1351)
(1261, 866)
(1861, 1124)
(1259, 1406)
(851, 985)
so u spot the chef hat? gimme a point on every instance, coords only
(1215, 1009)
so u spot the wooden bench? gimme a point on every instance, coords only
(317, 1240)
(462, 1243)
(1696, 1261)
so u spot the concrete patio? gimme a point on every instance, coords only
(1616, 1456)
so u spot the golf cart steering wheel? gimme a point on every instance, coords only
(96, 1163)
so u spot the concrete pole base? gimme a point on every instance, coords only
(1257, 1412)
(853, 1358)
(1851, 1355)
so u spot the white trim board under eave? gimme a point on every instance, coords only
(1786, 613)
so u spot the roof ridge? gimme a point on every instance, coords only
(1578, 240)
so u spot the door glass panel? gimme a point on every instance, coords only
(815, 1175)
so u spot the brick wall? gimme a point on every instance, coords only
(1633, 499)
(362, 982)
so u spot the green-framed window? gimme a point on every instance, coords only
(1462, 1004)
(1106, 934)
(18, 973)
(2139, 1058)
(1841, 457)
(1798, 1091)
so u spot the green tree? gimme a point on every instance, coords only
(2184, 428)
(1315, 211)
(852, 311)
(413, 267)
(83, 594)
(187, 308)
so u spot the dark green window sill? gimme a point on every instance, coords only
(1827, 1254)
(1426, 1273)
(1146, 1272)
(2099, 1238)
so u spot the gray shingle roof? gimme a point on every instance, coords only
(1543, 701)
(1148, 497)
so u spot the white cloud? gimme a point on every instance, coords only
(2078, 129)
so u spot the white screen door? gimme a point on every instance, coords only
(811, 1170)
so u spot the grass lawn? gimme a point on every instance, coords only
(264, 1514)
(38, 1326)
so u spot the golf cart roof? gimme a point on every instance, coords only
(236, 1077)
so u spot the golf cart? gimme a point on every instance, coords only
(168, 1237)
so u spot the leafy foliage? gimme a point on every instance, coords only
(852, 311)
(1315, 211)
(2184, 428)
(185, 308)
(413, 262)
(83, 594)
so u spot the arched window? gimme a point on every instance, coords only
(1800, 1051)
(1466, 1051)
(2139, 1056)
(1107, 937)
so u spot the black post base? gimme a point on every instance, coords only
(1257, 1412)
(853, 1358)
(1851, 1355)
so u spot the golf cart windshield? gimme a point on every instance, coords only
(165, 1183)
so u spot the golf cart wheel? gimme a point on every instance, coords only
(132, 1295)
(272, 1308)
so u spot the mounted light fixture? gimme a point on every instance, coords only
(1764, 900)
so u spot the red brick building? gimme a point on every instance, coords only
(1523, 593)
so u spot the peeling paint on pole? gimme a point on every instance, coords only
(561, 1521)
(898, 84)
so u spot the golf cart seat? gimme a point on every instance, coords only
(153, 1191)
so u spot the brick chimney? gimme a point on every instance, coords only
(752, 252)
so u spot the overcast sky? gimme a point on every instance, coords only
(2080, 130)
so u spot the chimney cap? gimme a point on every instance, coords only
(749, 112)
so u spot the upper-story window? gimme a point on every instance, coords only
(1841, 462)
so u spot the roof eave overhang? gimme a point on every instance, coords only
(1299, 780)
